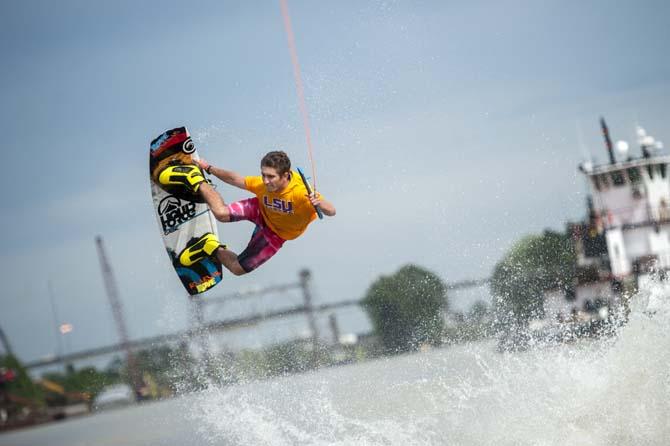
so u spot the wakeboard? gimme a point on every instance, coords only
(182, 216)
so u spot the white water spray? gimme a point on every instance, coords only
(613, 391)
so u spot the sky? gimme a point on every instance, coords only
(442, 131)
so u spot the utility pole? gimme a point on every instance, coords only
(305, 277)
(5, 343)
(56, 321)
(334, 328)
(117, 312)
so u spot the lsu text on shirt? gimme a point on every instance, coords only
(287, 213)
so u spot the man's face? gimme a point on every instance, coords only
(272, 180)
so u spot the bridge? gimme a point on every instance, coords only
(201, 328)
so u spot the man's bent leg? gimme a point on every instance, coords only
(247, 209)
(215, 202)
(229, 260)
(263, 245)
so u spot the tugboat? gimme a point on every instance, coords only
(624, 244)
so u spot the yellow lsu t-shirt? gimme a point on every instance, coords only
(287, 213)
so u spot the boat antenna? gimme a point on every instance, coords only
(608, 141)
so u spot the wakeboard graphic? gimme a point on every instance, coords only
(182, 215)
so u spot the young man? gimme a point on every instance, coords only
(281, 209)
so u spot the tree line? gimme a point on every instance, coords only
(407, 308)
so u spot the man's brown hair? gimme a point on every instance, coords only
(278, 160)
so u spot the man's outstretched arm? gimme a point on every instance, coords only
(326, 206)
(227, 176)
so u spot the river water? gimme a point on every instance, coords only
(612, 391)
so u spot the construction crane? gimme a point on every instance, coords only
(117, 312)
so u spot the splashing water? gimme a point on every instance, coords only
(611, 391)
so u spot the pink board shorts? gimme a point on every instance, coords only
(264, 242)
